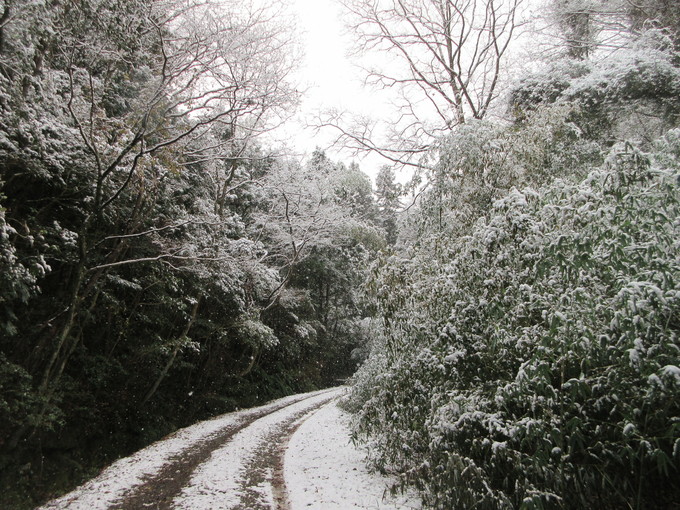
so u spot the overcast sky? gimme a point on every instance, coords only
(329, 78)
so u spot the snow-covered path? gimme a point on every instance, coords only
(291, 454)
(324, 470)
(243, 473)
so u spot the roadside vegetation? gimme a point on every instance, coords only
(527, 353)
(516, 302)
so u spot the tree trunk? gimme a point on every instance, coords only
(175, 351)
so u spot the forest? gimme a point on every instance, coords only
(513, 307)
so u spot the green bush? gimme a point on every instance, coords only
(538, 366)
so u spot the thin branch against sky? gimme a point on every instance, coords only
(333, 76)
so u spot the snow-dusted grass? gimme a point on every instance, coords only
(125, 474)
(324, 470)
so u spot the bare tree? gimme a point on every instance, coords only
(448, 56)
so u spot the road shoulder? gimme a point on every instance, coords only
(323, 469)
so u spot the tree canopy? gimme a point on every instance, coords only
(159, 263)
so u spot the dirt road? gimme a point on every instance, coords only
(234, 462)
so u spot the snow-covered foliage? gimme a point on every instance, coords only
(316, 206)
(481, 161)
(536, 366)
(632, 94)
(16, 280)
(150, 246)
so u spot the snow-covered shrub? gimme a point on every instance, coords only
(375, 363)
(363, 382)
(481, 161)
(256, 334)
(17, 277)
(631, 94)
(538, 366)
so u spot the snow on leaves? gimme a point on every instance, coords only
(539, 358)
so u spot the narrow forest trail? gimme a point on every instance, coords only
(246, 473)
(236, 461)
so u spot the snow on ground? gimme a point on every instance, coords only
(323, 470)
(218, 483)
(123, 475)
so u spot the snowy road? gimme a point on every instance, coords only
(291, 454)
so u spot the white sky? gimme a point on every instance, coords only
(329, 79)
(325, 65)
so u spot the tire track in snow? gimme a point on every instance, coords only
(247, 472)
(153, 476)
(266, 467)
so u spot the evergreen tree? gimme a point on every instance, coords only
(388, 193)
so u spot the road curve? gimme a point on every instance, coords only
(232, 462)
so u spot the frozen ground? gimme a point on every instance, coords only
(293, 453)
